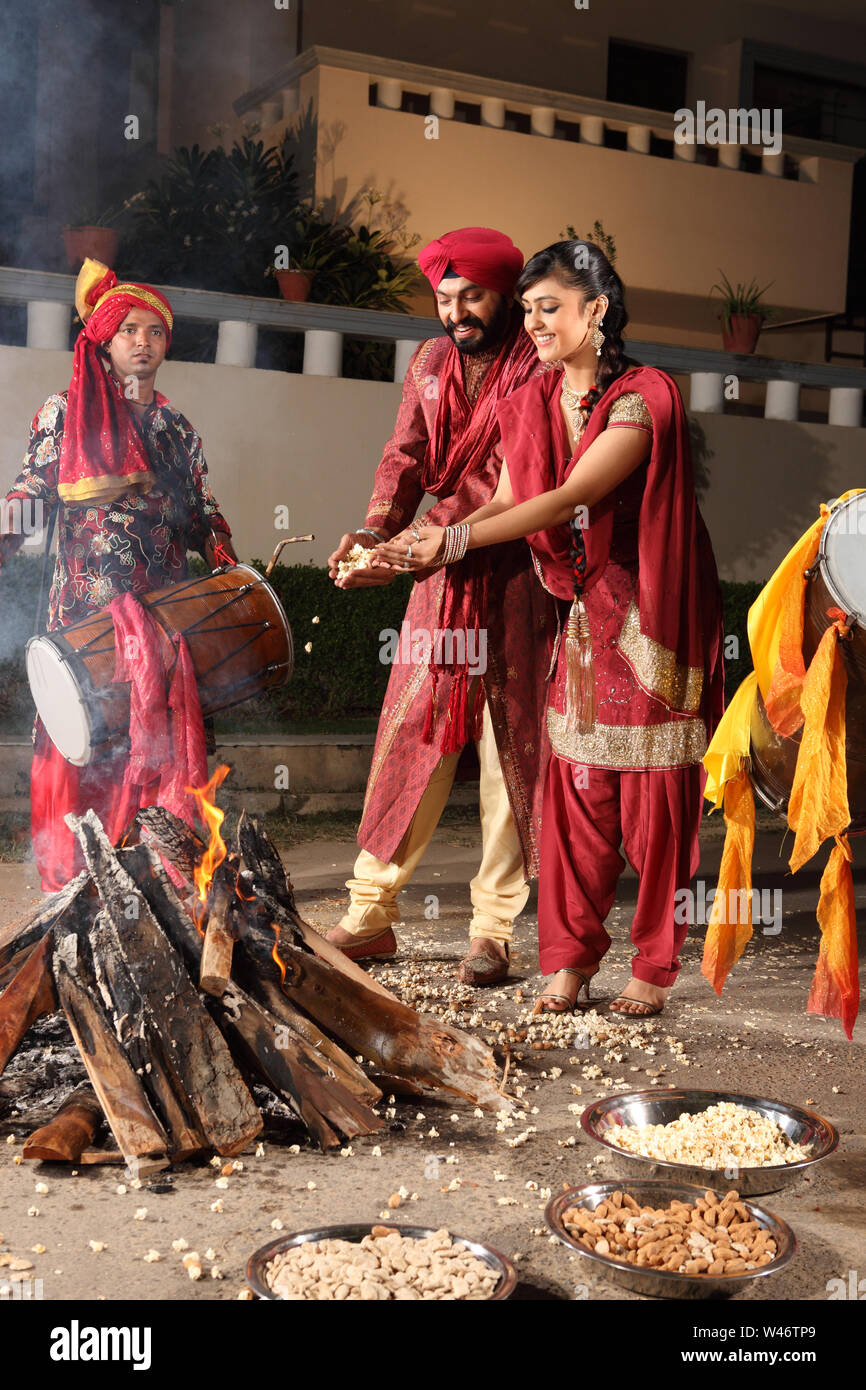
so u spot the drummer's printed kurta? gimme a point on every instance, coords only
(521, 627)
(137, 543)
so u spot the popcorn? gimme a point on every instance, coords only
(722, 1136)
(358, 558)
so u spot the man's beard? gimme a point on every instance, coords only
(492, 333)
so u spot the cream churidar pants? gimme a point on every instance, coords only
(498, 891)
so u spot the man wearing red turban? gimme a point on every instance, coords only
(472, 658)
(127, 477)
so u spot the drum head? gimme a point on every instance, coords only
(843, 555)
(57, 696)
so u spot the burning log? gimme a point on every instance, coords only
(219, 938)
(137, 1132)
(195, 1051)
(390, 1034)
(173, 838)
(295, 1036)
(30, 995)
(19, 939)
(71, 1131)
(291, 1068)
(273, 890)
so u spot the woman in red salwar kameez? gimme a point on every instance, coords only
(598, 478)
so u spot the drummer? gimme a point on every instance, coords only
(126, 476)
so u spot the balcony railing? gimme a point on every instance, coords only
(48, 298)
(399, 86)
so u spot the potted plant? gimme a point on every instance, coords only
(95, 235)
(602, 239)
(315, 246)
(743, 314)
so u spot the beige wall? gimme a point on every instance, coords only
(313, 444)
(674, 223)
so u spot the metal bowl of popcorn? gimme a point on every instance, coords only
(271, 1271)
(763, 1150)
(771, 1238)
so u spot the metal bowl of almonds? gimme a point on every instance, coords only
(717, 1138)
(399, 1263)
(671, 1240)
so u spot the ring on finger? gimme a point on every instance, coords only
(408, 552)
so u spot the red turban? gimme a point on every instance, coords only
(479, 254)
(102, 455)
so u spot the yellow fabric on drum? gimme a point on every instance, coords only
(726, 938)
(765, 614)
(730, 744)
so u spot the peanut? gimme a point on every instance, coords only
(714, 1236)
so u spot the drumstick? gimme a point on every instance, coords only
(290, 540)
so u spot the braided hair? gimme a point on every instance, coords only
(581, 265)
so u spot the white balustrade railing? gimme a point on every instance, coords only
(392, 78)
(48, 300)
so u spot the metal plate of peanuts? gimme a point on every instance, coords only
(497, 1264)
(668, 1226)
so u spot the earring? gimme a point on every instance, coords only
(597, 338)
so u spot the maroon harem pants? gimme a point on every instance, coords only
(587, 813)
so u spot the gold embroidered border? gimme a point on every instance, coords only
(656, 668)
(624, 746)
(421, 360)
(138, 292)
(631, 409)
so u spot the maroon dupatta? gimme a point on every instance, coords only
(679, 600)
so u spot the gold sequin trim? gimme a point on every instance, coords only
(421, 360)
(625, 746)
(631, 409)
(656, 668)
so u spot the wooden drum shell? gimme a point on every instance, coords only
(238, 636)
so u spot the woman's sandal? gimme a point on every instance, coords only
(569, 1004)
(646, 1010)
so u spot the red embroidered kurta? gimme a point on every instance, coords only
(654, 708)
(135, 544)
(521, 625)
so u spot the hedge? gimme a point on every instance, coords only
(341, 678)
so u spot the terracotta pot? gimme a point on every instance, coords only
(100, 243)
(295, 285)
(743, 334)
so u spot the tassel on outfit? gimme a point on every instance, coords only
(580, 697)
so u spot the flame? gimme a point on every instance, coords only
(276, 955)
(212, 817)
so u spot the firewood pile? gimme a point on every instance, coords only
(181, 998)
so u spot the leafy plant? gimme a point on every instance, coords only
(741, 301)
(598, 236)
(363, 267)
(213, 219)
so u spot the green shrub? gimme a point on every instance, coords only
(737, 600)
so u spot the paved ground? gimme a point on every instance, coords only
(456, 1168)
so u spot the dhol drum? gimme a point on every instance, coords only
(836, 580)
(239, 639)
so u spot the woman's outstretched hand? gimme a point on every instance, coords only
(408, 553)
